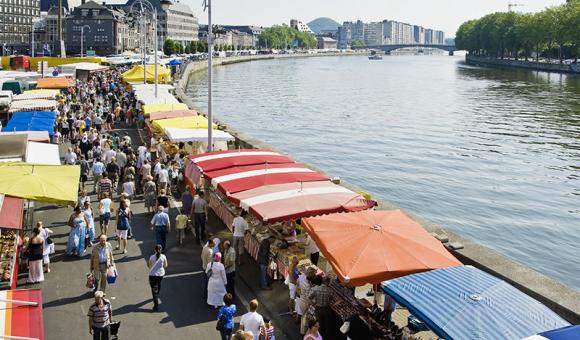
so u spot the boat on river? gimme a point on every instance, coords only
(375, 56)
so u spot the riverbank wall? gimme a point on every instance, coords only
(561, 299)
(522, 64)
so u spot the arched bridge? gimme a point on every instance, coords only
(388, 48)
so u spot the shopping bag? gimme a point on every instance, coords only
(90, 283)
(112, 275)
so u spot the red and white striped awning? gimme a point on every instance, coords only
(242, 178)
(280, 202)
(21, 314)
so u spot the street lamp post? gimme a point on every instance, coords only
(82, 36)
(207, 5)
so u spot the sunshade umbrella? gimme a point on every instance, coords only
(373, 246)
(242, 178)
(44, 183)
(174, 62)
(467, 303)
(282, 202)
(565, 333)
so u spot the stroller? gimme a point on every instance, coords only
(115, 330)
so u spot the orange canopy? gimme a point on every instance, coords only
(374, 246)
(171, 114)
(55, 83)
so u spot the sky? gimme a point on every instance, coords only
(444, 15)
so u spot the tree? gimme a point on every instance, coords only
(193, 47)
(357, 43)
(283, 37)
(169, 47)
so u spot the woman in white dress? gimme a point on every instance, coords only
(216, 287)
(48, 247)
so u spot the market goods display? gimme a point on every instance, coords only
(8, 240)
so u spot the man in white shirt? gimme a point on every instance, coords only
(312, 250)
(156, 167)
(162, 178)
(97, 169)
(109, 155)
(70, 158)
(240, 227)
(252, 321)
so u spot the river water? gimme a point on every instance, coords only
(491, 154)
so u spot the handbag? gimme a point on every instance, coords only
(220, 324)
(49, 240)
(90, 284)
(210, 271)
(112, 275)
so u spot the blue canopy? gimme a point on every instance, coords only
(565, 333)
(31, 121)
(173, 62)
(467, 303)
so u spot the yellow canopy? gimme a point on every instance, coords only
(147, 109)
(45, 183)
(193, 122)
(136, 74)
(49, 91)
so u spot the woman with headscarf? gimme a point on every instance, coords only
(76, 239)
(217, 280)
(85, 145)
(149, 193)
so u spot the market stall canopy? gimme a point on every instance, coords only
(196, 135)
(33, 105)
(193, 122)
(45, 183)
(42, 153)
(12, 147)
(151, 87)
(242, 178)
(55, 83)
(174, 62)
(27, 95)
(21, 314)
(31, 136)
(171, 114)
(148, 109)
(374, 246)
(11, 209)
(281, 202)
(564, 333)
(55, 92)
(135, 74)
(84, 66)
(467, 303)
(32, 121)
(212, 161)
(148, 98)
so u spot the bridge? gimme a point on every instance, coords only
(388, 48)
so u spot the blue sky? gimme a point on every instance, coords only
(445, 15)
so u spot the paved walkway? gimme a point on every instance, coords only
(183, 312)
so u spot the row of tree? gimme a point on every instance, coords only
(552, 33)
(173, 47)
(284, 37)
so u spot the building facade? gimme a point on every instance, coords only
(300, 26)
(102, 34)
(344, 38)
(16, 24)
(178, 23)
(373, 33)
(252, 31)
(387, 32)
(326, 43)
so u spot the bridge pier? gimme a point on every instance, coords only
(451, 53)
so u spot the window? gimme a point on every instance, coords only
(84, 12)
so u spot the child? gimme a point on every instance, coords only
(180, 224)
(268, 332)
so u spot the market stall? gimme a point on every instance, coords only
(33, 105)
(149, 98)
(42, 153)
(31, 136)
(148, 109)
(29, 95)
(465, 303)
(32, 121)
(55, 83)
(11, 219)
(135, 74)
(171, 114)
(564, 333)
(177, 135)
(21, 314)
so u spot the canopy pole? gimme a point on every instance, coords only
(21, 302)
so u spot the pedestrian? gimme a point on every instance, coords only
(217, 280)
(163, 200)
(113, 171)
(321, 298)
(48, 245)
(101, 260)
(312, 333)
(293, 274)
(100, 315)
(206, 258)
(226, 314)
(105, 186)
(70, 158)
(129, 186)
(124, 216)
(180, 225)
(97, 169)
(76, 238)
(264, 261)
(268, 333)
(161, 224)
(162, 178)
(304, 285)
(157, 264)
(240, 228)
(230, 265)
(252, 321)
(88, 212)
(199, 207)
(35, 256)
(312, 250)
(84, 164)
(106, 208)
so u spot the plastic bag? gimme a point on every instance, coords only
(112, 275)
(90, 283)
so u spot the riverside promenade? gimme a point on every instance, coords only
(183, 312)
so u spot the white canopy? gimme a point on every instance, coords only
(42, 153)
(148, 98)
(196, 135)
(151, 87)
(33, 105)
(32, 136)
(34, 95)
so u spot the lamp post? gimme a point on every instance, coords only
(164, 6)
(82, 36)
(207, 5)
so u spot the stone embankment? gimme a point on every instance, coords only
(522, 64)
(561, 299)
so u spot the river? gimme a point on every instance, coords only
(493, 155)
